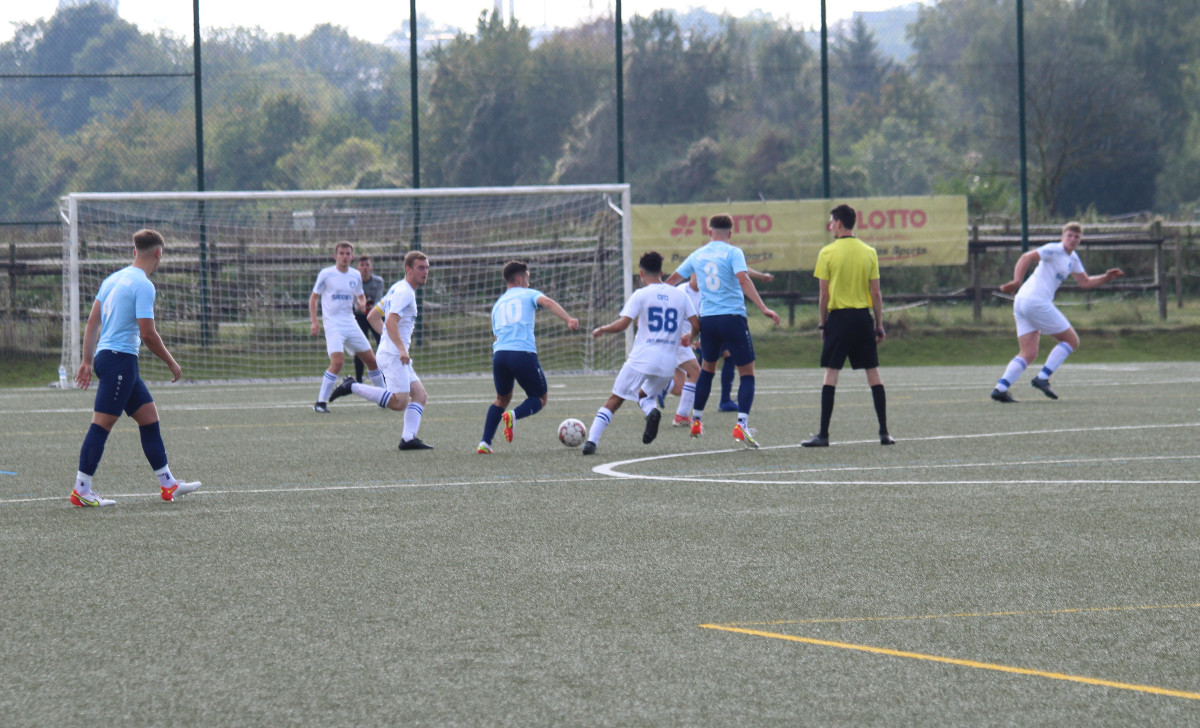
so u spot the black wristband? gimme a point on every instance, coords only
(821, 326)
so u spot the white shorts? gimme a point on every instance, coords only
(629, 381)
(342, 338)
(1041, 316)
(684, 355)
(398, 377)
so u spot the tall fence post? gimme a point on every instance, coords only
(1160, 292)
(1179, 267)
(12, 279)
(973, 253)
(791, 294)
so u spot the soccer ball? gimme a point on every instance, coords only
(571, 432)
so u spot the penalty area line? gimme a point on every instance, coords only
(960, 662)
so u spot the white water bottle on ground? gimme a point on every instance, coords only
(62, 377)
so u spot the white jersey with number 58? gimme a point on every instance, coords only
(661, 312)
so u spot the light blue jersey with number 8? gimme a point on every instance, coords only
(716, 266)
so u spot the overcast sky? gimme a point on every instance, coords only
(374, 20)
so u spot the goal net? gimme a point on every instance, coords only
(235, 280)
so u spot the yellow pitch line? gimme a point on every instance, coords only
(962, 663)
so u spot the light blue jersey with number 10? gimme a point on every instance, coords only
(513, 317)
(716, 266)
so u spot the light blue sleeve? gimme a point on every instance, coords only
(143, 301)
(686, 268)
(738, 260)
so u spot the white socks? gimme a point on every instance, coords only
(603, 417)
(328, 382)
(1012, 373)
(686, 399)
(83, 482)
(1057, 356)
(165, 479)
(412, 420)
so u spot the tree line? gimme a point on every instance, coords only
(88, 102)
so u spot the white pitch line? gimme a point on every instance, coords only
(166, 406)
(320, 488)
(989, 464)
(610, 469)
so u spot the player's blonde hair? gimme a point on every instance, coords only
(1073, 227)
(411, 258)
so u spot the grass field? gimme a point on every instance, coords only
(1028, 564)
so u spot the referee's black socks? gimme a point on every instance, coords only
(827, 392)
(880, 407)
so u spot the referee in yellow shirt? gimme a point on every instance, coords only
(848, 270)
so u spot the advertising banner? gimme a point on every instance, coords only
(787, 235)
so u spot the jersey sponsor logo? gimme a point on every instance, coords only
(340, 297)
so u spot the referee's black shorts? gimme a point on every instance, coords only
(849, 332)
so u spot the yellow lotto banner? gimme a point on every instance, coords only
(780, 236)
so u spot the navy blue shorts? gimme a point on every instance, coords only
(727, 332)
(519, 366)
(121, 388)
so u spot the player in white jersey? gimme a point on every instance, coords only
(395, 317)
(1035, 312)
(338, 290)
(661, 312)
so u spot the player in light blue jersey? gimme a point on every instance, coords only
(122, 318)
(514, 354)
(724, 282)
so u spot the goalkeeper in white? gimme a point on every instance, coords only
(661, 312)
(395, 317)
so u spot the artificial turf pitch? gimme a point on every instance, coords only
(1026, 564)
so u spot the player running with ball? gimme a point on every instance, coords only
(661, 312)
(514, 353)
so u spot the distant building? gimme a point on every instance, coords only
(63, 4)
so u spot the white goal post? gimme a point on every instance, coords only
(239, 267)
